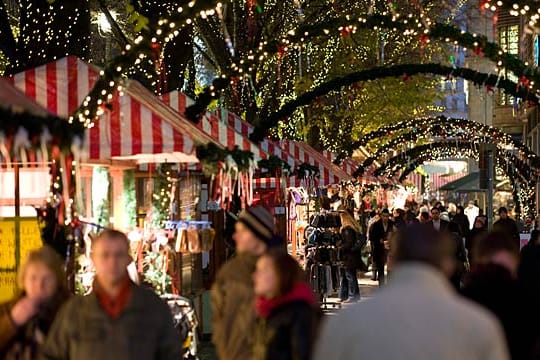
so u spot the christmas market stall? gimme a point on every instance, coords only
(117, 194)
(39, 157)
(305, 191)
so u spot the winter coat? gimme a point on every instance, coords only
(144, 330)
(471, 239)
(510, 228)
(349, 252)
(463, 223)
(24, 342)
(378, 235)
(286, 328)
(417, 316)
(529, 281)
(492, 286)
(233, 315)
(443, 226)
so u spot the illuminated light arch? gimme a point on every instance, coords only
(482, 79)
(517, 170)
(414, 130)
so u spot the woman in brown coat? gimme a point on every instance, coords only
(26, 319)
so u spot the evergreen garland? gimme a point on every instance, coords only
(305, 171)
(62, 133)
(212, 157)
(273, 165)
(306, 98)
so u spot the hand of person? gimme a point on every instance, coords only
(23, 311)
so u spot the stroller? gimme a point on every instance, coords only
(185, 321)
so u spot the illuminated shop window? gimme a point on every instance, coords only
(509, 41)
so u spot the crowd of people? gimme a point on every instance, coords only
(454, 291)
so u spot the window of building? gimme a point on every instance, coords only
(509, 41)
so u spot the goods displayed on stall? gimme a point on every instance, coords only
(120, 135)
(192, 237)
(35, 143)
(322, 256)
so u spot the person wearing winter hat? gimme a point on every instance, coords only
(287, 310)
(233, 315)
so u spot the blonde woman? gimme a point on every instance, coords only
(26, 319)
(352, 260)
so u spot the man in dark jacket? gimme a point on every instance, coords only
(119, 320)
(233, 314)
(507, 225)
(492, 283)
(379, 237)
(436, 222)
(462, 221)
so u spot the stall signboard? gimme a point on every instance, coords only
(13, 251)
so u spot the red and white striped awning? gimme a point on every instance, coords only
(416, 179)
(439, 180)
(211, 125)
(228, 135)
(348, 165)
(300, 152)
(138, 126)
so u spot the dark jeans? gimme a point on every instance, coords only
(349, 285)
(379, 258)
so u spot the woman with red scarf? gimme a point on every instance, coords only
(286, 307)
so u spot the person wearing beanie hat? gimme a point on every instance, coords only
(233, 314)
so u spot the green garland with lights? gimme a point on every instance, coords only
(305, 171)
(274, 165)
(439, 126)
(406, 70)
(154, 34)
(145, 46)
(479, 44)
(212, 157)
(516, 170)
(62, 133)
(414, 136)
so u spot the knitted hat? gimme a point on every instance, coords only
(260, 222)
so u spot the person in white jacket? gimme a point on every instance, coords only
(471, 211)
(417, 316)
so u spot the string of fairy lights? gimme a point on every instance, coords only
(149, 42)
(58, 42)
(527, 8)
(415, 129)
(481, 79)
(518, 172)
(412, 25)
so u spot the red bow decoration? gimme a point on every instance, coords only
(345, 31)
(159, 65)
(281, 50)
(478, 51)
(424, 39)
